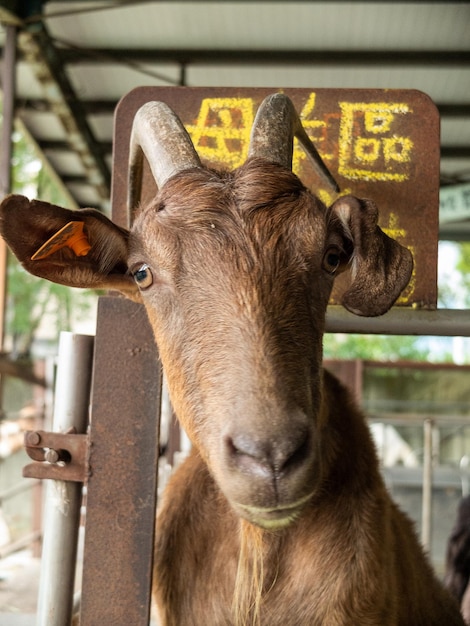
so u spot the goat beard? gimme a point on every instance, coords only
(250, 583)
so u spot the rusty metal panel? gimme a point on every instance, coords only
(122, 486)
(379, 144)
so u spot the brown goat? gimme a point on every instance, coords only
(279, 516)
(457, 576)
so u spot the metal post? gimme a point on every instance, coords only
(9, 90)
(122, 487)
(63, 499)
(401, 321)
(426, 524)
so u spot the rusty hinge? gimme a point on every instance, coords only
(61, 456)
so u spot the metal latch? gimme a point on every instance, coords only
(60, 456)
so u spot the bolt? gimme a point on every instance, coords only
(51, 456)
(33, 438)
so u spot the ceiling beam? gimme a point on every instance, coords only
(90, 107)
(107, 107)
(37, 48)
(52, 145)
(454, 109)
(105, 147)
(455, 152)
(434, 58)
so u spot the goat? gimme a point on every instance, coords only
(457, 576)
(279, 516)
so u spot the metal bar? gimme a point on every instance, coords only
(213, 56)
(455, 152)
(55, 145)
(105, 147)
(103, 106)
(426, 522)
(401, 321)
(122, 488)
(454, 231)
(9, 89)
(60, 456)
(63, 499)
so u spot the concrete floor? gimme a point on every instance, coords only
(19, 581)
(19, 584)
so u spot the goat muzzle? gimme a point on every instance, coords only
(269, 476)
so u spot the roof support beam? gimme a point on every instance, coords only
(401, 321)
(45, 60)
(434, 58)
(90, 107)
(455, 152)
(105, 147)
(9, 90)
(36, 47)
(107, 107)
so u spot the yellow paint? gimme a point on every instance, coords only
(394, 231)
(373, 158)
(222, 130)
(326, 197)
(367, 150)
(375, 122)
(407, 293)
(315, 129)
(397, 149)
(367, 147)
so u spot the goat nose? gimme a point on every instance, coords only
(254, 455)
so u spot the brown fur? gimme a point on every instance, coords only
(279, 517)
(351, 558)
(457, 576)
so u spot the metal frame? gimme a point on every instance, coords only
(122, 487)
(64, 497)
(401, 321)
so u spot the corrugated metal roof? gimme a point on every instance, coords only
(105, 49)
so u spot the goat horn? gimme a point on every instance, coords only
(272, 136)
(158, 133)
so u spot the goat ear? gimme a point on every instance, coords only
(381, 267)
(44, 239)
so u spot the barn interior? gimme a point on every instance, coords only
(66, 66)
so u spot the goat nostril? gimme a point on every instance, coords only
(247, 456)
(296, 456)
(251, 455)
(243, 445)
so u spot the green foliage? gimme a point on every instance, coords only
(30, 299)
(463, 266)
(374, 347)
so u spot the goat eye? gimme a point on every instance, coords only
(332, 260)
(143, 276)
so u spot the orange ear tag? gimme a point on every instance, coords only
(71, 235)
